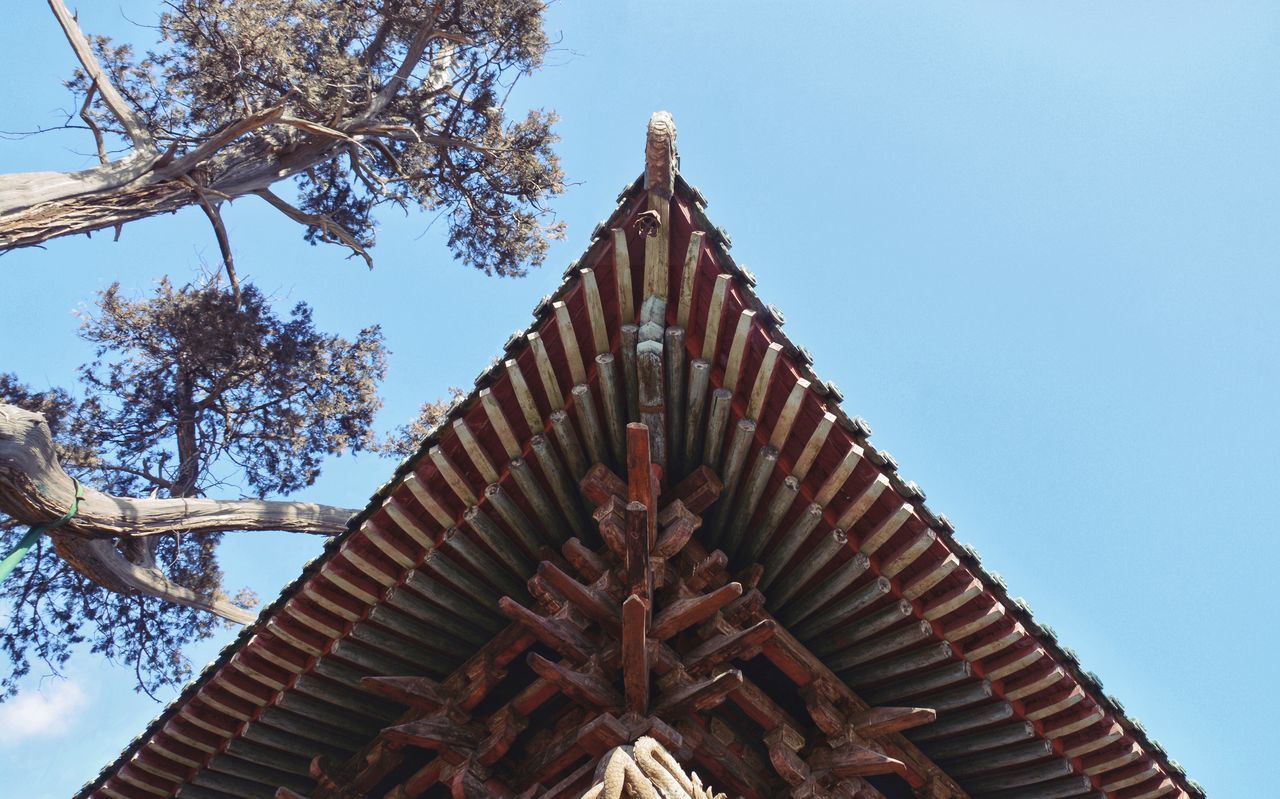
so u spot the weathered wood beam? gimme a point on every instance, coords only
(652, 397)
(593, 602)
(734, 462)
(807, 602)
(700, 695)
(622, 276)
(725, 647)
(586, 689)
(674, 358)
(561, 486)
(688, 278)
(421, 693)
(515, 519)
(524, 396)
(569, 342)
(474, 451)
(717, 423)
(614, 404)
(593, 433)
(435, 732)
(790, 582)
(789, 544)
(879, 721)
(595, 310)
(754, 487)
(567, 439)
(737, 349)
(630, 336)
(759, 535)
(684, 613)
(546, 371)
(635, 654)
(981, 741)
(558, 634)
(715, 309)
(886, 644)
(531, 489)
(695, 431)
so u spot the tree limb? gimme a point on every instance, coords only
(93, 126)
(34, 488)
(103, 563)
(219, 232)
(133, 124)
(326, 225)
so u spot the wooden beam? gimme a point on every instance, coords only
(546, 372)
(734, 461)
(711, 334)
(674, 358)
(737, 350)
(696, 412)
(756, 482)
(561, 486)
(613, 403)
(790, 543)
(622, 276)
(550, 521)
(652, 397)
(684, 613)
(595, 310)
(717, 422)
(558, 634)
(474, 451)
(524, 397)
(688, 277)
(700, 695)
(819, 595)
(630, 335)
(764, 378)
(593, 433)
(879, 721)
(758, 536)
(635, 655)
(586, 689)
(567, 439)
(813, 446)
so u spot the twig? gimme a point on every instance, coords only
(134, 125)
(324, 224)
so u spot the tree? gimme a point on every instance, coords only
(359, 103)
(204, 387)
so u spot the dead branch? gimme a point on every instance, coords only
(34, 488)
(133, 125)
(224, 241)
(93, 126)
(327, 227)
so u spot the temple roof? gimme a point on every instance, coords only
(480, 585)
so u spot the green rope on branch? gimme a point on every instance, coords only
(33, 535)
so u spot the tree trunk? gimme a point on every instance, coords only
(39, 206)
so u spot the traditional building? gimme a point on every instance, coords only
(648, 556)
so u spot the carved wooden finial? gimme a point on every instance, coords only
(660, 155)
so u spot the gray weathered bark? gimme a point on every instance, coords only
(34, 489)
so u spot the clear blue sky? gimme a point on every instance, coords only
(1035, 244)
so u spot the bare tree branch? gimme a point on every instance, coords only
(134, 126)
(220, 232)
(93, 126)
(326, 225)
(34, 488)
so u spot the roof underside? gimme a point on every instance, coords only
(873, 601)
